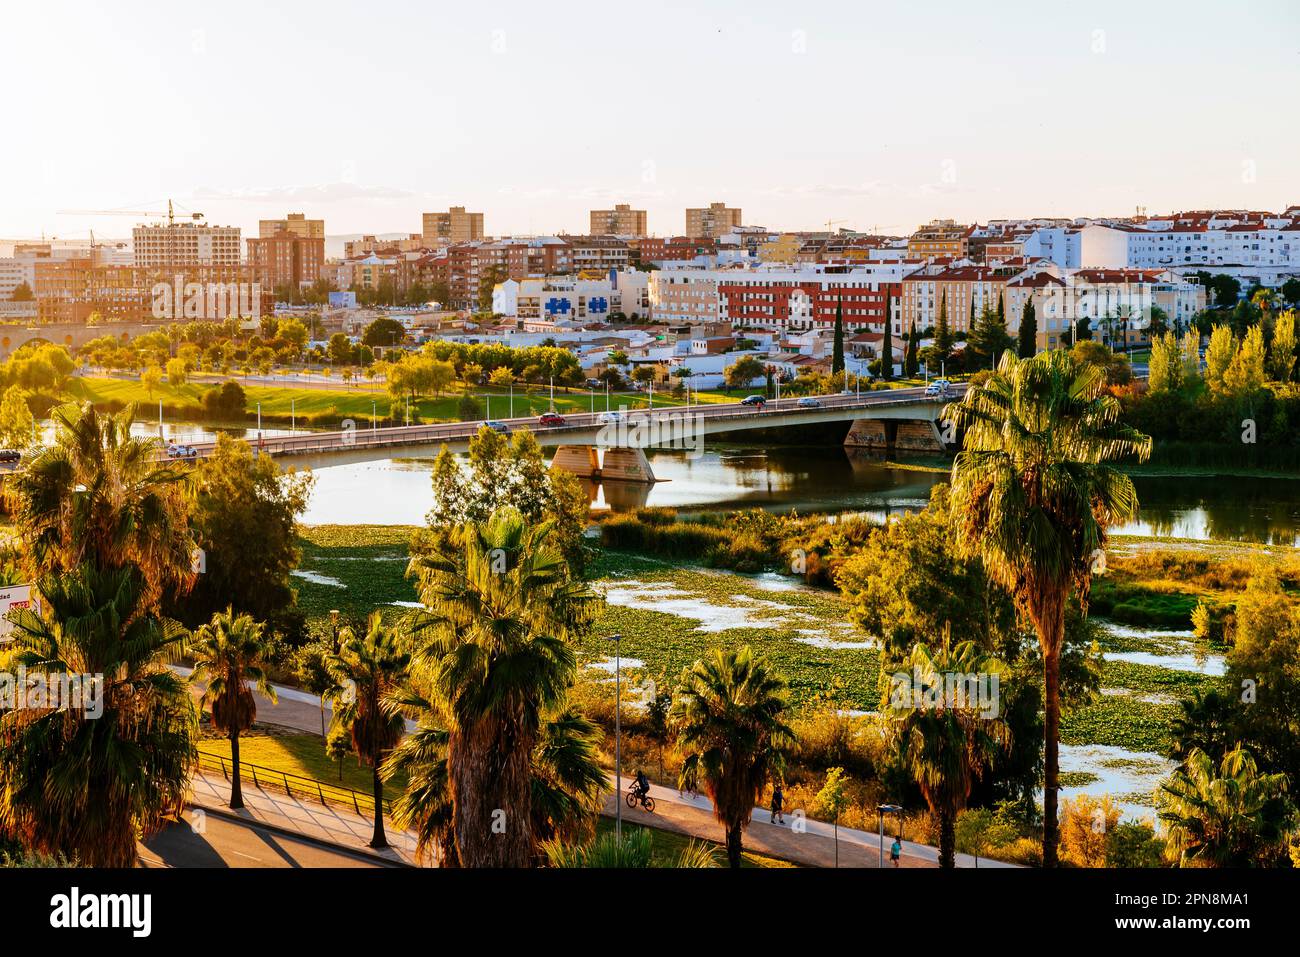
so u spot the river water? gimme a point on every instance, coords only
(397, 491)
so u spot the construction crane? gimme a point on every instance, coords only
(832, 223)
(170, 214)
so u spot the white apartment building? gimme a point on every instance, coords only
(14, 272)
(561, 298)
(683, 295)
(186, 244)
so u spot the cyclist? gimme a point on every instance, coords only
(642, 784)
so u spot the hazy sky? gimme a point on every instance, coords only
(880, 114)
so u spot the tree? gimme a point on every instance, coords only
(502, 611)
(887, 343)
(1086, 824)
(151, 378)
(987, 341)
(383, 332)
(831, 801)
(340, 349)
(368, 669)
(945, 735)
(91, 779)
(837, 349)
(942, 328)
(1282, 357)
(1027, 335)
(911, 364)
(730, 714)
(230, 652)
(98, 495)
(1218, 357)
(1189, 348)
(1166, 364)
(176, 372)
(22, 293)
(741, 373)
(1246, 374)
(17, 424)
(1225, 815)
(1033, 493)
(245, 518)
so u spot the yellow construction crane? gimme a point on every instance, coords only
(832, 223)
(170, 214)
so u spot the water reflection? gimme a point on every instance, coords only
(355, 488)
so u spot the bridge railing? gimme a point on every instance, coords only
(295, 785)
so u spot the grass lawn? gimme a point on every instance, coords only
(301, 754)
(667, 846)
(282, 402)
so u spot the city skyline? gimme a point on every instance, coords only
(764, 108)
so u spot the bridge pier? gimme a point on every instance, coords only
(909, 435)
(616, 465)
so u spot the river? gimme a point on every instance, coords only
(396, 491)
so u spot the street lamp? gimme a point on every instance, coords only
(618, 739)
(881, 811)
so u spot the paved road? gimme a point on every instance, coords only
(227, 843)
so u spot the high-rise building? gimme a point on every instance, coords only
(711, 222)
(296, 224)
(285, 258)
(185, 244)
(453, 226)
(941, 239)
(622, 220)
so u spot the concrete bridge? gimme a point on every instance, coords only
(601, 446)
(72, 335)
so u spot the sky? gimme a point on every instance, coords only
(871, 115)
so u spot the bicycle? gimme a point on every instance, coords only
(635, 797)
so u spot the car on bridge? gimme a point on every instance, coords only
(175, 451)
(808, 402)
(550, 418)
(758, 401)
(8, 456)
(608, 417)
(939, 387)
(496, 426)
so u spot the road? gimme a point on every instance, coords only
(228, 843)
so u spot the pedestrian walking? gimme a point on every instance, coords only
(895, 852)
(778, 802)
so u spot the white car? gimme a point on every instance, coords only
(606, 418)
(808, 402)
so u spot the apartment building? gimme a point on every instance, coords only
(958, 289)
(295, 224)
(622, 220)
(711, 221)
(683, 296)
(287, 258)
(72, 289)
(940, 239)
(599, 253)
(672, 249)
(173, 245)
(453, 226)
(563, 297)
(804, 299)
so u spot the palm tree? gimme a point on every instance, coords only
(635, 850)
(730, 715)
(369, 670)
(945, 739)
(1225, 816)
(87, 778)
(100, 495)
(1033, 493)
(567, 780)
(503, 611)
(229, 652)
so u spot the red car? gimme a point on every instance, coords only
(550, 418)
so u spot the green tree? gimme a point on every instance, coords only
(22, 293)
(151, 378)
(1166, 365)
(1226, 814)
(230, 652)
(945, 736)
(99, 495)
(1033, 493)
(17, 424)
(1189, 348)
(1027, 335)
(383, 332)
(887, 343)
(741, 373)
(91, 779)
(1246, 373)
(245, 517)
(832, 800)
(837, 349)
(730, 713)
(942, 328)
(1218, 357)
(1282, 355)
(502, 611)
(177, 374)
(368, 670)
(987, 341)
(911, 363)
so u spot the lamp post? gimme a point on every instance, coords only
(881, 811)
(618, 739)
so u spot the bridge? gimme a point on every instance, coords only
(609, 446)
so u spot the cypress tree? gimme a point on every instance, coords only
(910, 364)
(942, 331)
(887, 344)
(1027, 339)
(837, 355)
